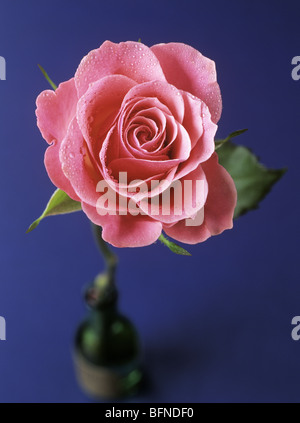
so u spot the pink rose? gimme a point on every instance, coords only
(150, 113)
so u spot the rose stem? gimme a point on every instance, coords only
(109, 257)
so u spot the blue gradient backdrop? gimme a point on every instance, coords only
(216, 327)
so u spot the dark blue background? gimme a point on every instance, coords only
(216, 327)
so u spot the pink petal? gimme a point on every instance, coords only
(204, 147)
(131, 59)
(78, 166)
(193, 121)
(181, 146)
(189, 70)
(125, 231)
(218, 209)
(55, 173)
(140, 168)
(55, 110)
(99, 106)
(136, 105)
(164, 92)
(191, 193)
(187, 234)
(222, 197)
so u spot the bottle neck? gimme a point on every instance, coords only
(102, 300)
(102, 317)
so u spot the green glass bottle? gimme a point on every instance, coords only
(107, 351)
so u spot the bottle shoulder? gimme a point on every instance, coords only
(111, 342)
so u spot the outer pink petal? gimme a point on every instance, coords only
(192, 198)
(189, 70)
(54, 170)
(54, 112)
(218, 210)
(187, 234)
(222, 197)
(125, 231)
(131, 59)
(78, 166)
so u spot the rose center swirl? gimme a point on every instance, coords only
(148, 128)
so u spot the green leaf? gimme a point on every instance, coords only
(173, 247)
(253, 181)
(219, 143)
(47, 77)
(59, 203)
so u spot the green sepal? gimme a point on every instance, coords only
(59, 203)
(54, 86)
(173, 247)
(219, 143)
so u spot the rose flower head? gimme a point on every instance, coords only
(132, 139)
